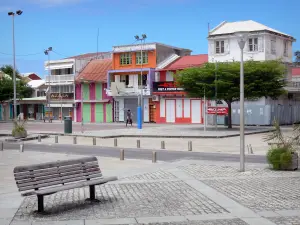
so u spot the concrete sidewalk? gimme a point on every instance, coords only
(185, 192)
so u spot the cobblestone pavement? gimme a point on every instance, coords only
(207, 222)
(293, 220)
(158, 175)
(123, 200)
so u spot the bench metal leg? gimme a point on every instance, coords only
(92, 192)
(40, 203)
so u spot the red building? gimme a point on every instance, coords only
(171, 102)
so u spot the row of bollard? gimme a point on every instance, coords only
(122, 156)
(138, 142)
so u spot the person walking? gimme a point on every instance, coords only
(129, 117)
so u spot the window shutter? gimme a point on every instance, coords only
(261, 46)
(211, 47)
(226, 47)
(117, 78)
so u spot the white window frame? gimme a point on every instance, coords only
(285, 48)
(273, 46)
(219, 46)
(253, 43)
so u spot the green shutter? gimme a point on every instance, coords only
(109, 118)
(86, 112)
(86, 91)
(99, 113)
(99, 91)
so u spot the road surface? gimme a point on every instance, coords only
(131, 153)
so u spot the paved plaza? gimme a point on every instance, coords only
(182, 192)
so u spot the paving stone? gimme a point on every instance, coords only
(203, 222)
(174, 198)
(268, 194)
(199, 171)
(158, 175)
(292, 220)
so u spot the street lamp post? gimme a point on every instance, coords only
(242, 37)
(47, 52)
(140, 98)
(19, 12)
(81, 108)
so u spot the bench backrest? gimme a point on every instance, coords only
(56, 173)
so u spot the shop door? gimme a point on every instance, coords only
(170, 111)
(196, 113)
(132, 104)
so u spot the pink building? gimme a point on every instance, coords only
(91, 85)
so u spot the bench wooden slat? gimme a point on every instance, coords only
(64, 181)
(56, 177)
(41, 166)
(70, 186)
(60, 170)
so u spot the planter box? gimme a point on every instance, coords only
(294, 164)
(20, 134)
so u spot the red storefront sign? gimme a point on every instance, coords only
(220, 110)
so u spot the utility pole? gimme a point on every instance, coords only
(47, 52)
(216, 94)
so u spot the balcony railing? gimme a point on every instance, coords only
(292, 86)
(60, 78)
(128, 92)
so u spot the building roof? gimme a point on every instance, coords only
(296, 71)
(101, 55)
(154, 43)
(31, 76)
(36, 83)
(242, 26)
(187, 62)
(96, 70)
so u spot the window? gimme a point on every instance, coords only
(144, 80)
(125, 58)
(220, 47)
(62, 89)
(253, 44)
(138, 58)
(285, 50)
(125, 79)
(273, 46)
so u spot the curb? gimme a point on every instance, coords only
(27, 138)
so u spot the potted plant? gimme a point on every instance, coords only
(19, 130)
(283, 155)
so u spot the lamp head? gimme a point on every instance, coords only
(11, 13)
(242, 38)
(144, 36)
(50, 49)
(19, 12)
(137, 37)
(46, 52)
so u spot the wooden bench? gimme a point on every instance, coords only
(49, 119)
(49, 178)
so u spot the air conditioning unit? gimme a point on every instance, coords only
(155, 98)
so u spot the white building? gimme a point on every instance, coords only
(61, 80)
(263, 43)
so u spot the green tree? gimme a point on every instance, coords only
(261, 79)
(9, 70)
(297, 58)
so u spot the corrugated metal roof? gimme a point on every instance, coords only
(241, 26)
(187, 61)
(296, 71)
(96, 70)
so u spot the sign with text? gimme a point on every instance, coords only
(63, 96)
(219, 110)
(166, 86)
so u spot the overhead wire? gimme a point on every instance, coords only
(38, 53)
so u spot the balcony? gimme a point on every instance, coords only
(60, 79)
(293, 87)
(119, 89)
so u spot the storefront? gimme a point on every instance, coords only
(172, 105)
(61, 105)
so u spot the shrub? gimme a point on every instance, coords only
(279, 157)
(19, 129)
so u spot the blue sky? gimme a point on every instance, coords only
(70, 26)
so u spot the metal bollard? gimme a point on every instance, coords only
(138, 143)
(122, 154)
(39, 138)
(190, 146)
(56, 139)
(94, 141)
(115, 142)
(75, 140)
(162, 145)
(154, 157)
(22, 147)
(1, 146)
